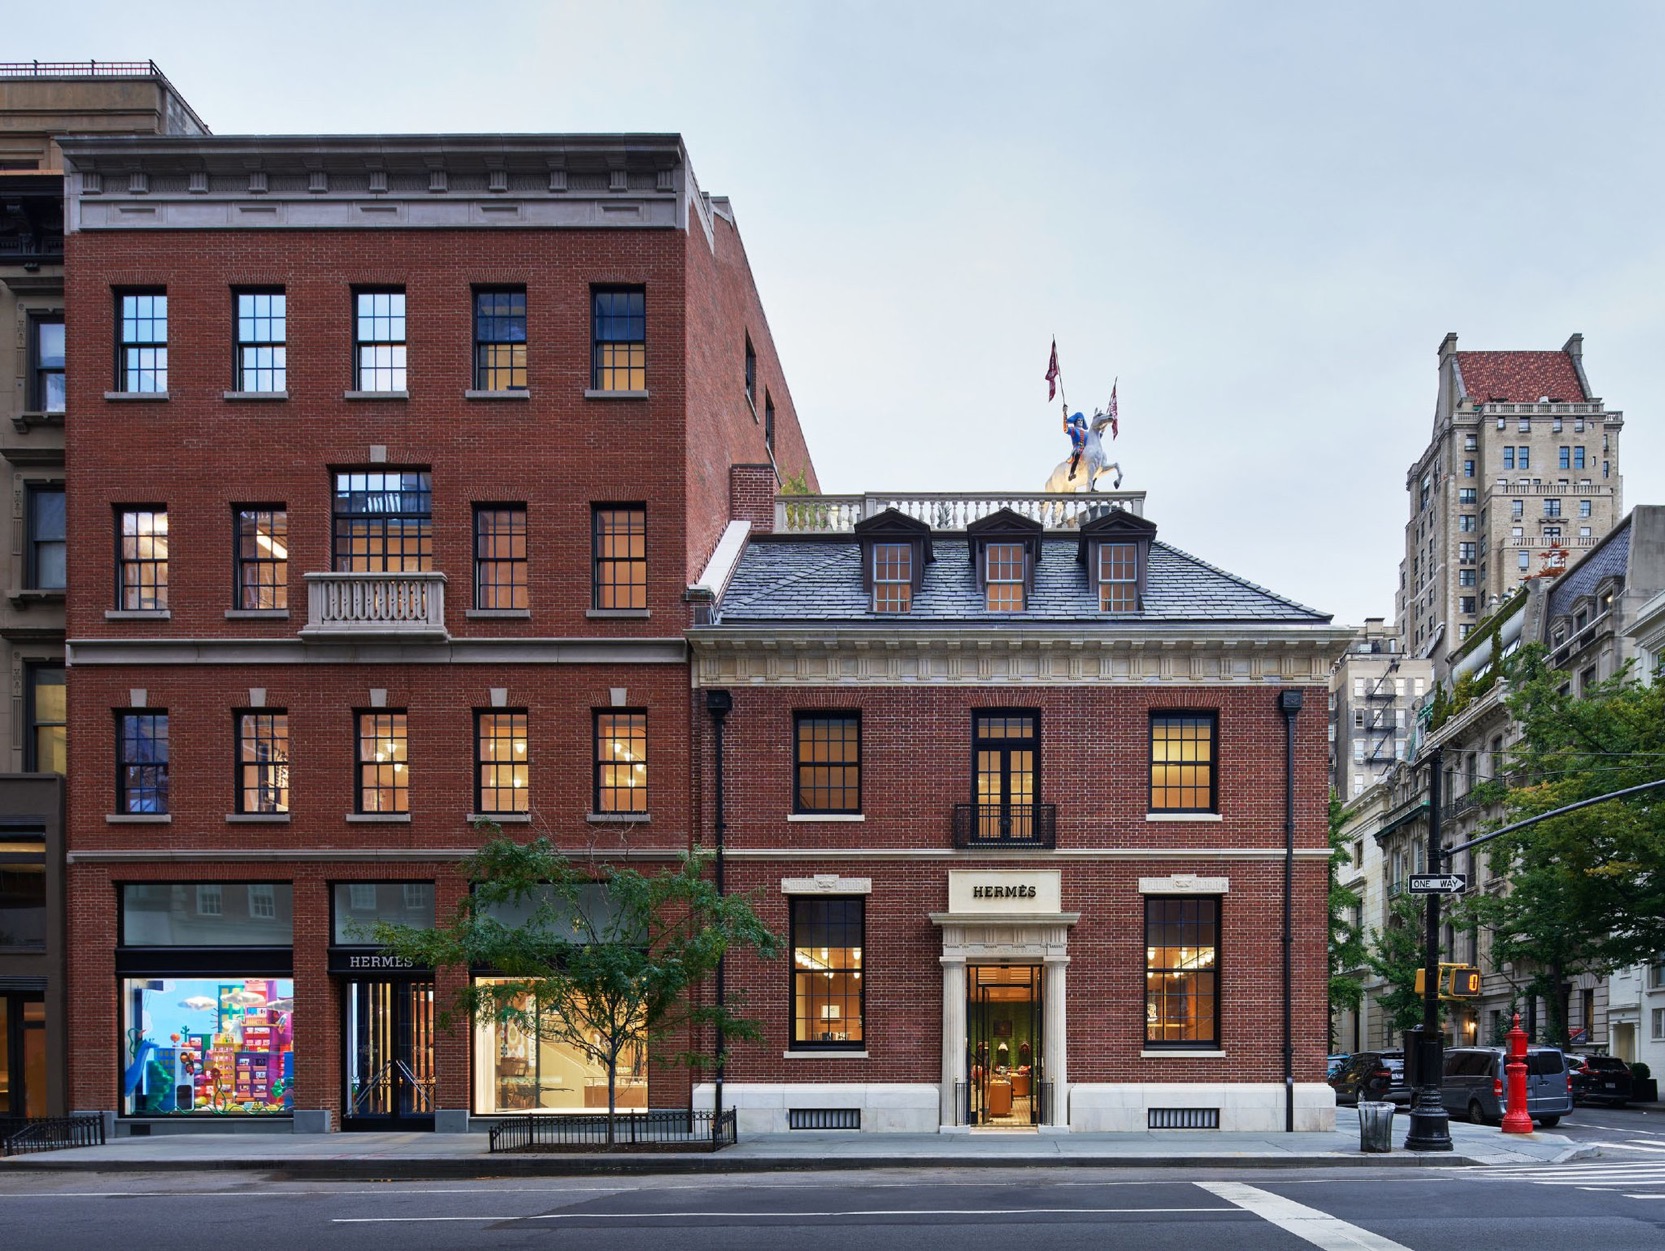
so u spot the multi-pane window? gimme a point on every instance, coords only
(383, 764)
(828, 762)
(619, 556)
(1465, 552)
(262, 332)
(827, 942)
(383, 523)
(1005, 577)
(751, 374)
(262, 558)
(1517, 507)
(263, 761)
(142, 351)
(621, 762)
(1465, 577)
(1578, 458)
(45, 709)
(501, 768)
(1466, 605)
(379, 340)
(1565, 460)
(1583, 508)
(1523, 457)
(1525, 560)
(1468, 469)
(618, 356)
(142, 762)
(1006, 749)
(1509, 457)
(500, 556)
(1465, 522)
(46, 364)
(142, 559)
(500, 340)
(1467, 495)
(1182, 760)
(1118, 577)
(1552, 508)
(45, 567)
(892, 577)
(1182, 970)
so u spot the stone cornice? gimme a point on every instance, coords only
(1180, 654)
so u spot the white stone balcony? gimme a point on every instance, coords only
(403, 606)
(945, 510)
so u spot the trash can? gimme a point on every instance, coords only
(1375, 1127)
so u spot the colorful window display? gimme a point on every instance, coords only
(517, 1072)
(211, 1046)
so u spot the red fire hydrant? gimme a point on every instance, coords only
(1517, 1120)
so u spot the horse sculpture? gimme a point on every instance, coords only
(1093, 462)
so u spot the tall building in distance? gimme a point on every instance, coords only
(1374, 691)
(1522, 470)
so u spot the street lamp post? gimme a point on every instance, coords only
(1430, 1123)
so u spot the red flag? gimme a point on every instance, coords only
(1115, 426)
(1052, 373)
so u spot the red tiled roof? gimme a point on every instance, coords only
(1519, 377)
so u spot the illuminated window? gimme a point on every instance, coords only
(383, 767)
(500, 340)
(892, 577)
(619, 556)
(826, 973)
(828, 754)
(1118, 577)
(142, 762)
(1182, 776)
(142, 559)
(383, 523)
(1005, 577)
(501, 767)
(621, 762)
(379, 340)
(263, 761)
(142, 351)
(262, 558)
(1006, 748)
(46, 747)
(500, 557)
(618, 355)
(1182, 998)
(262, 328)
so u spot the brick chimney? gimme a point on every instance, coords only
(751, 496)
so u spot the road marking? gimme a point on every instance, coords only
(1632, 1145)
(1319, 1228)
(853, 1213)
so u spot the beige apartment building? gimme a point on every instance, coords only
(1521, 476)
(38, 101)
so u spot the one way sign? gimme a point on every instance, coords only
(1438, 883)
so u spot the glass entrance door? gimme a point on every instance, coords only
(390, 1054)
(1003, 1019)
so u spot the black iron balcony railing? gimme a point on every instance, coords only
(1005, 825)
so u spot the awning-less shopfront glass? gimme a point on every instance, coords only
(516, 1070)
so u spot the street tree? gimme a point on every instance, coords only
(1396, 954)
(1347, 946)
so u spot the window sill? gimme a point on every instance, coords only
(524, 393)
(591, 394)
(257, 818)
(257, 614)
(375, 395)
(618, 614)
(1178, 1054)
(618, 818)
(829, 1054)
(501, 818)
(489, 613)
(238, 397)
(136, 614)
(378, 818)
(131, 396)
(1183, 816)
(826, 816)
(23, 596)
(138, 818)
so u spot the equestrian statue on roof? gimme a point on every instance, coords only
(1088, 458)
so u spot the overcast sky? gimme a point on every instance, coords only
(1262, 217)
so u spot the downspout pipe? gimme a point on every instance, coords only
(1289, 703)
(718, 703)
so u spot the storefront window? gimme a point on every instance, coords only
(213, 1046)
(22, 892)
(208, 914)
(359, 905)
(1182, 972)
(515, 1071)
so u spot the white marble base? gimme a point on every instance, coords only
(1258, 1108)
(761, 1107)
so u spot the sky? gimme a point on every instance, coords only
(1261, 218)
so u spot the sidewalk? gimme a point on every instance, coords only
(410, 1156)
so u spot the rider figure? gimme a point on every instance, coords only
(1075, 425)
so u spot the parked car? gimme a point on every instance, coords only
(1476, 1084)
(1334, 1063)
(1373, 1076)
(1600, 1079)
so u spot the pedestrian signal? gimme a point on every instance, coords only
(1464, 982)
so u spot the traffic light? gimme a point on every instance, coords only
(1463, 981)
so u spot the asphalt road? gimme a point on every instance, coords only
(1618, 1205)
(1617, 1131)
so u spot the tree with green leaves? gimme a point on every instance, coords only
(1395, 955)
(1347, 949)
(597, 957)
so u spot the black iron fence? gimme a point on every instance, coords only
(659, 1129)
(1005, 825)
(20, 1135)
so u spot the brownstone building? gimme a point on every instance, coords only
(394, 461)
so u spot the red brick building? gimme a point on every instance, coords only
(1015, 781)
(393, 461)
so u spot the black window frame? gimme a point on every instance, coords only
(138, 564)
(602, 763)
(751, 375)
(383, 525)
(278, 739)
(397, 367)
(494, 329)
(137, 369)
(804, 904)
(1176, 715)
(482, 764)
(274, 368)
(35, 541)
(271, 572)
(489, 590)
(362, 771)
(769, 423)
(32, 723)
(612, 328)
(1005, 819)
(844, 717)
(605, 562)
(38, 399)
(130, 798)
(21, 863)
(1213, 972)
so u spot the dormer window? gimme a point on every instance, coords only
(1005, 580)
(895, 548)
(1118, 577)
(1005, 548)
(892, 577)
(1115, 548)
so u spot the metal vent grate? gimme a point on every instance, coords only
(1182, 1118)
(823, 1118)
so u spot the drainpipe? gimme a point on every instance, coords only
(719, 703)
(1289, 702)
